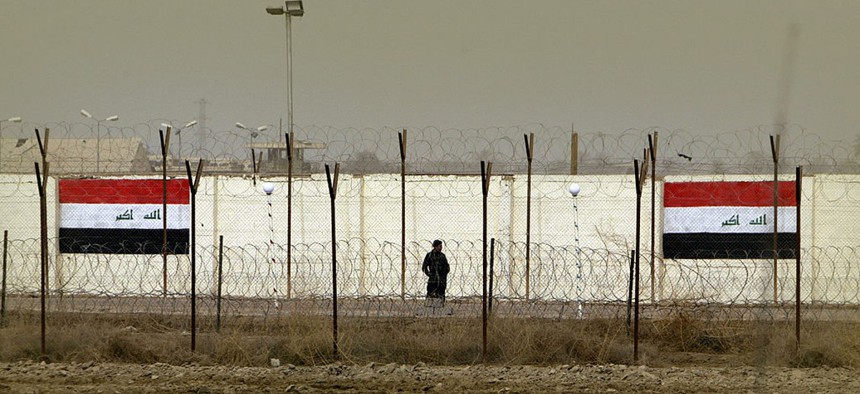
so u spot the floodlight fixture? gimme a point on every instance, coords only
(294, 7)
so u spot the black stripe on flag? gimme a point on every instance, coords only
(122, 241)
(727, 246)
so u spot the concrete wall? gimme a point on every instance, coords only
(579, 247)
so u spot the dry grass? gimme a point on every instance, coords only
(307, 340)
(826, 344)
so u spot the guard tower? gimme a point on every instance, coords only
(276, 155)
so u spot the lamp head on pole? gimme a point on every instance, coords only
(294, 7)
(291, 8)
(178, 130)
(241, 126)
(16, 119)
(86, 114)
(268, 188)
(112, 118)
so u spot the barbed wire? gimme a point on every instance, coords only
(430, 150)
(370, 269)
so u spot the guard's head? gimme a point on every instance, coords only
(437, 245)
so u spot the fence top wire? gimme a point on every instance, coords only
(110, 149)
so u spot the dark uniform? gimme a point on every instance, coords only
(436, 268)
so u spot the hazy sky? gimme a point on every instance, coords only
(700, 66)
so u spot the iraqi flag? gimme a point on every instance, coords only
(123, 216)
(727, 220)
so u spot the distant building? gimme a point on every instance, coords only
(76, 156)
(276, 155)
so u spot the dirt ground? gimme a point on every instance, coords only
(32, 377)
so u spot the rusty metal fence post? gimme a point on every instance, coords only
(332, 192)
(402, 139)
(530, 145)
(220, 282)
(640, 179)
(798, 195)
(486, 170)
(193, 183)
(774, 149)
(3, 288)
(652, 150)
(42, 183)
(165, 145)
(255, 165)
(290, 141)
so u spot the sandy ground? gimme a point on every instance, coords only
(31, 377)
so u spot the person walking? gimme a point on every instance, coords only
(436, 268)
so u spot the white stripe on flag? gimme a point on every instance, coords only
(728, 220)
(124, 216)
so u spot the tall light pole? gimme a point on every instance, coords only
(291, 8)
(98, 134)
(15, 119)
(179, 134)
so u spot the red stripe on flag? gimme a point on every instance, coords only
(727, 194)
(123, 191)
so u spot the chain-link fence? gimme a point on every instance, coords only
(579, 248)
(261, 260)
